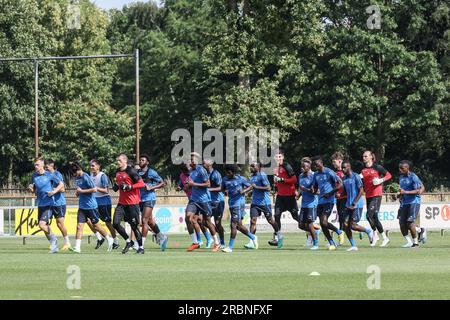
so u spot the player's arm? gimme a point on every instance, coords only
(136, 180)
(246, 186)
(417, 191)
(358, 196)
(104, 185)
(157, 178)
(338, 185)
(218, 181)
(265, 184)
(90, 190)
(205, 184)
(384, 175)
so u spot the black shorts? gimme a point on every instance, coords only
(59, 211)
(340, 206)
(373, 206)
(308, 215)
(286, 203)
(256, 210)
(84, 214)
(104, 212)
(45, 213)
(325, 208)
(408, 212)
(217, 209)
(352, 215)
(129, 213)
(197, 208)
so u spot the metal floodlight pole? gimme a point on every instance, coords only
(136, 65)
(36, 87)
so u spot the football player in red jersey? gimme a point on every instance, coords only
(341, 198)
(285, 183)
(373, 176)
(128, 182)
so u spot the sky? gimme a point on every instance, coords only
(118, 4)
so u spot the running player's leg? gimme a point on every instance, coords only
(308, 217)
(402, 219)
(277, 216)
(255, 212)
(217, 211)
(293, 207)
(81, 220)
(267, 211)
(44, 215)
(411, 222)
(354, 217)
(132, 217)
(191, 210)
(240, 226)
(104, 212)
(371, 211)
(340, 206)
(119, 215)
(59, 213)
(147, 220)
(323, 210)
(206, 213)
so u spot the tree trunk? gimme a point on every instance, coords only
(10, 174)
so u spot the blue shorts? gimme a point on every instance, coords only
(59, 211)
(45, 213)
(217, 209)
(237, 213)
(84, 214)
(104, 212)
(147, 204)
(308, 215)
(325, 208)
(354, 215)
(408, 212)
(256, 210)
(198, 208)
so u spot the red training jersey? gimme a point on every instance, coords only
(286, 188)
(370, 173)
(340, 194)
(131, 177)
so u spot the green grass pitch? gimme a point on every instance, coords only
(29, 272)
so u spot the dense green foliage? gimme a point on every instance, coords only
(312, 69)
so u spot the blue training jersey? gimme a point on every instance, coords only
(43, 184)
(234, 186)
(216, 181)
(150, 178)
(326, 181)
(260, 197)
(309, 200)
(409, 183)
(352, 183)
(60, 199)
(101, 181)
(86, 201)
(199, 194)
